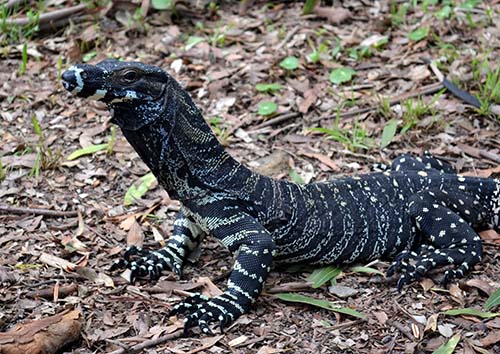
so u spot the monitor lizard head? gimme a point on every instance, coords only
(134, 92)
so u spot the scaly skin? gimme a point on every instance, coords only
(419, 210)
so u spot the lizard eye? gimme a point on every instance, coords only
(130, 75)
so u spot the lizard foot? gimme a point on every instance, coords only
(150, 264)
(200, 310)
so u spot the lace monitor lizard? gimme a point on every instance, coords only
(418, 213)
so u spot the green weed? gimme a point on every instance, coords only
(45, 159)
(111, 140)
(218, 39)
(221, 130)
(3, 171)
(14, 34)
(489, 90)
(24, 62)
(354, 138)
(398, 13)
(415, 110)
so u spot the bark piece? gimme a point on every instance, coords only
(44, 336)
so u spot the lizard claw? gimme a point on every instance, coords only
(150, 264)
(199, 310)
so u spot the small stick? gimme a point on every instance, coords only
(47, 17)
(278, 119)
(148, 343)
(13, 3)
(287, 38)
(290, 287)
(426, 90)
(7, 209)
(400, 327)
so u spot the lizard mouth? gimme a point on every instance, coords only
(72, 80)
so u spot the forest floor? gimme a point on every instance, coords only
(220, 53)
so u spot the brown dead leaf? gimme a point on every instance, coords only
(325, 160)
(309, 99)
(268, 350)
(209, 288)
(431, 324)
(135, 236)
(57, 262)
(381, 316)
(334, 15)
(482, 285)
(426, 284)
(457, 294)
(128, 221)
(237, 341)
(490, 235)
(492, 338)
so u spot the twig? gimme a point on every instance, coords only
(13, 3)
(149, 343)
(345, 325)
(278, 119)
(7, 209)
(490, 156)
(47, 17)
(290, 287)
(390, 348)
(287, 38)
(400, 328)
(426, 90)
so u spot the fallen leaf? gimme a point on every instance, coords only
(334, 15)
(135, 236)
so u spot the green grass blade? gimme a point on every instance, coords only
(493, 300)
(89, 150)
(471, 312)
(327, 305)
(321, 276)
(389, 133)
(137, 191)
(448, 347)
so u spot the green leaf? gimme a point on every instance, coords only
(419, 34)
(448, 347)
(89, 150)
(295, 177)
(267, 108)
(471, 312)
(36, 127)
(89, 56)
(445, 12)
(192, 41)
(290, 63)
(493, 300)
(321, 276)
(388, 133)
(136, 192)
(341, 75)
(268, 87)
(327, 305)
(369, 270)
(309, 7)
(162, 4)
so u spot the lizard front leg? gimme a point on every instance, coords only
(186, 236)
(242, 233)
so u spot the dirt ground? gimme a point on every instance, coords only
(220, 53)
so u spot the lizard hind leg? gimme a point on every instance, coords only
(448, 233)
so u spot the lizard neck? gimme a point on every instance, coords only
(181, 150)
